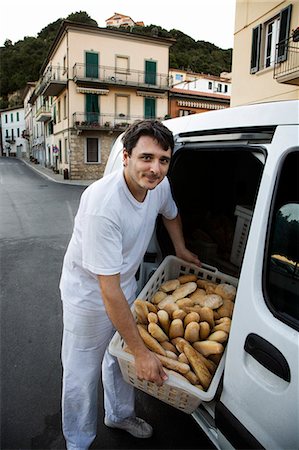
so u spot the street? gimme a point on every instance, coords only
(35, 226)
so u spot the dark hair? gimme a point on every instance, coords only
(148, 127)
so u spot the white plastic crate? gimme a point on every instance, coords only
(175, 391)
(244, 215)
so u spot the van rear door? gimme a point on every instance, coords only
(258, 407)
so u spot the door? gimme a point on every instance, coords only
(258, 407)
(92, 108)
(150, 72)
(149, 108)
(91, 65)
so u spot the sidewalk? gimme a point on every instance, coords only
(57, 178)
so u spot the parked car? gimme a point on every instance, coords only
(234, 176)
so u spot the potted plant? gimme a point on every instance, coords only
(295, 34)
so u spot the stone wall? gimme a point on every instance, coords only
(79, 170)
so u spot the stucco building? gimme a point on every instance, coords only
(266, 51)
(94, 82)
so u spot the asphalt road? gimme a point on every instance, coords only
(35, 225)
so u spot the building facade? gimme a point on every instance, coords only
(12, 129)
(197, 93)
(266, 51)
(94, 83)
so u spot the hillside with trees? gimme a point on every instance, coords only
(21, 62)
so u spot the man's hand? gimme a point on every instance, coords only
(148, 367)
(188, 256)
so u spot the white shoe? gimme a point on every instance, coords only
(134, 425)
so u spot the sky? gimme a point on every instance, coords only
(207, 20)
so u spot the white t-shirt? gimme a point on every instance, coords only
(111, 233)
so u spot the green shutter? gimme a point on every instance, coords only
(149, 108)
(91, 65)
(92, 107)
(150, 72)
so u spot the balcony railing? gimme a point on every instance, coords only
(53, 81)
(120, 77)
(43, 114)
(286, 68)
(97, 121)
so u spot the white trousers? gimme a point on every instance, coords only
(84, 352)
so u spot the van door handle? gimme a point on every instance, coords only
(268, 356)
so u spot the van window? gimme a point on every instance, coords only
(282, 257)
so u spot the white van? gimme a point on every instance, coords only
(234, 176)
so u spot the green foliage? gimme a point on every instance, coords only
(21, 62)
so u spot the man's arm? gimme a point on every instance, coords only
(147, 365)
(175, 231)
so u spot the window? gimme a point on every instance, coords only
(60, 153)
(92, 108)
(266, 36)
(219, 87)
(281, 284)
(184, 112)
(272, 30)
(18, 132)
(64, 108)
(150, 72)
(91, 65)
(11, 117)
(122, 64)
(58, 111)
(6, 118)
(226, 88)
(121, 105)
(64, 65)
(6, 134)
(178, 77)
(92, 150)
(18, 117)
(149, 108)
(65, 151)
(210, 86)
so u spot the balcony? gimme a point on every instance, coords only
(53, 81)
(102, 122)
(10, 140)
(105, 76)
(286, 68)
(43, 114)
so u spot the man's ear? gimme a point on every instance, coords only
(125, 157)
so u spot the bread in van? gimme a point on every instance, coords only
(227, 291)
(212, 301)
(170, 285)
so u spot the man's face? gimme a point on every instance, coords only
(146, 167)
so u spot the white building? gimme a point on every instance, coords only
(12, 128)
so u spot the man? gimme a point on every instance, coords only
(113, 227)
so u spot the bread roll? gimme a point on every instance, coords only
(165, 301)
(191, 317)
(204, 330)
(198, 366)
(218, 336)
(212, 301)
(207, 348)
(152, 317)
(187, 278)
(158, 297)
(226, 310)
(227, 291)
(184, 290)
(164, 321)
(170, 285)
(192, 332)
(182, 302)
(179, 314)
(157, 332)
(176, 329)
(150, 341)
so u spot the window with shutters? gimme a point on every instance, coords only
(150, 72)
(149, 108)
(265, 38)
(92, 110)
(91, 65)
